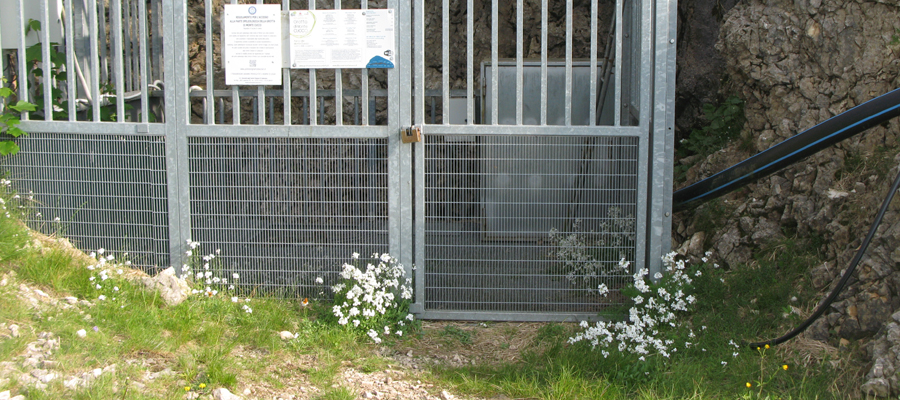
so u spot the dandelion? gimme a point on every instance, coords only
(784, 367)
(202, 385)
(187, 388)
(749, 385)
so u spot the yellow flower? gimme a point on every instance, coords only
(202, 385)
(187, 388)
(749, 385)
(767, 346)
(784, 367)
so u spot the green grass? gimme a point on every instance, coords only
(747, 306)
(211, 342)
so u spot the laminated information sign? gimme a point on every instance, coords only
(342, 38)
(252, 44)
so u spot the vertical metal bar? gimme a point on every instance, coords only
(135, 43)
(70, 61)
(445, 62)
(495, 79)
(617, 73)
(116, 33)
(543, 62)
(46, 64)
(104, 59)
(156, 28)
(236, 98)
(520, 11)
(312, 84)
(210, 85)
(261, 97)
(400, 188)
(21, 61)
(568, 63)
(175, 67)
(142, 25)
(286, 85)
(593, 94)
(95, 62)
(338, 87)
(364, 81)
(470, 58)
(662, 139)
(419, 63)
(125, 39)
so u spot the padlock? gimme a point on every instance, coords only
(411, 135)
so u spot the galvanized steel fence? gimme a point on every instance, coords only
(545, 161)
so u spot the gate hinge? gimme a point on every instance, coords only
(411, 135)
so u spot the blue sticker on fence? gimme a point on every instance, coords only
(379, 62)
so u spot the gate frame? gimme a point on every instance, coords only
(656, 140)
(406, 190)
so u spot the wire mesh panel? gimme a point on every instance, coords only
(528, 223)
(287, 211)
(100, 191)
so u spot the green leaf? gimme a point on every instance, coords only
(5, 92)
(9, 119)
(16, 132)
(33, 25)
(22, 106)
(33, 52)
(8, 148)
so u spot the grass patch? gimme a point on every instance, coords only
(209, 342)
(734, 306)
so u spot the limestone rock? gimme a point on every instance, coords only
(224, 394)
(172, 289)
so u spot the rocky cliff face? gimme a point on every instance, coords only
(797, 63)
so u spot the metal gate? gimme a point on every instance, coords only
(545, 160)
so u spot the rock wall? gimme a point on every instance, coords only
(796, 63)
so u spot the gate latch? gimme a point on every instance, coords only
(412, 134)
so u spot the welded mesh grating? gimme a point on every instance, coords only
(284, 212)
(108, 191)
(492, 203)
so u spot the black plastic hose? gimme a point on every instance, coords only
(790, 151)
(846, 277)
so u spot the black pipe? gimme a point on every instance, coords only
(790, 151)
(846, 277)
